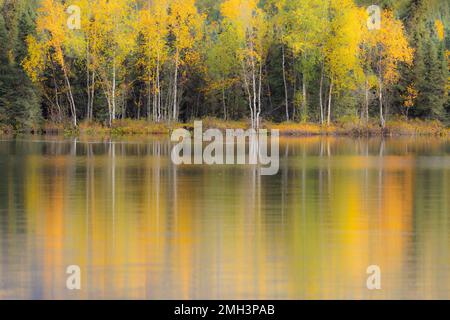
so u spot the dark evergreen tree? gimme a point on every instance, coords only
(19, 101)
(430, 72)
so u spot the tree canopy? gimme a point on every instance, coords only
(174, 60)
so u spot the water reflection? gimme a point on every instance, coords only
(140, 227)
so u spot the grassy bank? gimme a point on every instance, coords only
(346, 127)
(349, 127)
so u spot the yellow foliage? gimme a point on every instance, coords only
(250, 27)
(34, 63)
(410, 97)
(440, 30)
(388, 47)
(152, 24)
(343, 43)
(185, 24)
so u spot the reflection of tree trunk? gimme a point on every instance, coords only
(90, 180)
(286, 97)
(112, 151)
(380, 177)
(284, 183)
(304, 184)
(73, 148)
(157, 177)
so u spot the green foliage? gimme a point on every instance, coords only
(430, 70)
(19, 101)
(234, 59)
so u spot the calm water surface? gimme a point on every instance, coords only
(140, 227)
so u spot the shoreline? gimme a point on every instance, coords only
(128, 127)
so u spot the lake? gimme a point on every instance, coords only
(140, 227)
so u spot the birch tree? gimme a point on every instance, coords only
(185, 31)
(51, 43)
(385, 49)
(153, 27)
(250, 26)
(113, 44)
(341, 50)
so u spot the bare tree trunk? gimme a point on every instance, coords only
(113, 97)
(329, 102)
(286, 97)
(57, 103)
(138, 105)
(158, 93)
(367, 101)
(258, 116)
(70, 97)
(91, 108)
(108, 101)
(224, 104)
(247, 87)
(169, 104)
(88, 83)
(58, 106)
(380, 83)
(254, 94)
(149, 96)
(175, 88)
(321, 96)
(304, 101)
(155, 101)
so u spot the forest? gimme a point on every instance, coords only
(166, 61)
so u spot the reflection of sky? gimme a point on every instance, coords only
(140, 227)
